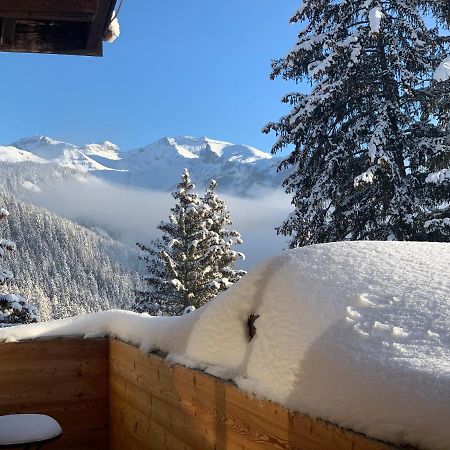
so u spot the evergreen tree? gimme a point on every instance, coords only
(193, 260)
(219, 257)
(368, 134)
(440, 9)
(13, 308)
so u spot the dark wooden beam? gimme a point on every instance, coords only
(67, 38)
(72, 10)
(8, 31)
(112, 5)
(101, 19)
(74, 27)
(50, 50)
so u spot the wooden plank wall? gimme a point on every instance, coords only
(154, 406)
(66, 379)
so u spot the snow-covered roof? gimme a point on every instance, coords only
(356, 333)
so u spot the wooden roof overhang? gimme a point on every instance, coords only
(70, 27)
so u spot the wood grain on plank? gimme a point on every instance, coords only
(156, 406)
(51, 37)
(107, 394)
(74, 10)
(66, 379)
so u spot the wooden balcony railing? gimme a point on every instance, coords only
(108, 395)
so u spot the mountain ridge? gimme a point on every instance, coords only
(238, 169)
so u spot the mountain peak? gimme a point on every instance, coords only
(109, 144)
(201, 147)
(106, 149)
(34, 141)
(237, 168)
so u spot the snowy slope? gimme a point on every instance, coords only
(67, 155)
(105, 150)
(356, 333)
(13, 154)
(64, 268)
(191, 147)
(239, 169)
(30, 176)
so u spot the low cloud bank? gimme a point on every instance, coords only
(132, 215)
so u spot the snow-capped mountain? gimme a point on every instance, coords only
(14, 154)
(238, 169)
(76, 233)
(63, 153)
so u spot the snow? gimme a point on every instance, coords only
(355, 333)
(12, 305)
(6, 244)
(442, 73)
(27, 428)
(194, 148)
(375, 16)
(113, 29)
(366, 177)
(46, 150)
(31, 186)
(12, 154)
(106, 150)
(5, 275)
(189, 309)
(438, 177)
(437, 223)
(240, 169)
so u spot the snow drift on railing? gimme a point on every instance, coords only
(356, 333)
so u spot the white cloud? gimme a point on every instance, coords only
(132, 215)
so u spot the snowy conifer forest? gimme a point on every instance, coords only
(64, 268)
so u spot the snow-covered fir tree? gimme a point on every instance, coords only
(13, 308)
(370, 138)
(193, 260)
(219, 256)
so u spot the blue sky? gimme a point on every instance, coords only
(197, 68)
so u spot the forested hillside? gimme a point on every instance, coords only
(23, 177)
(64, 268)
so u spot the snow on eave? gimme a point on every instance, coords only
(113, 31)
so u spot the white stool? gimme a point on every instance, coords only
(28, 430)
